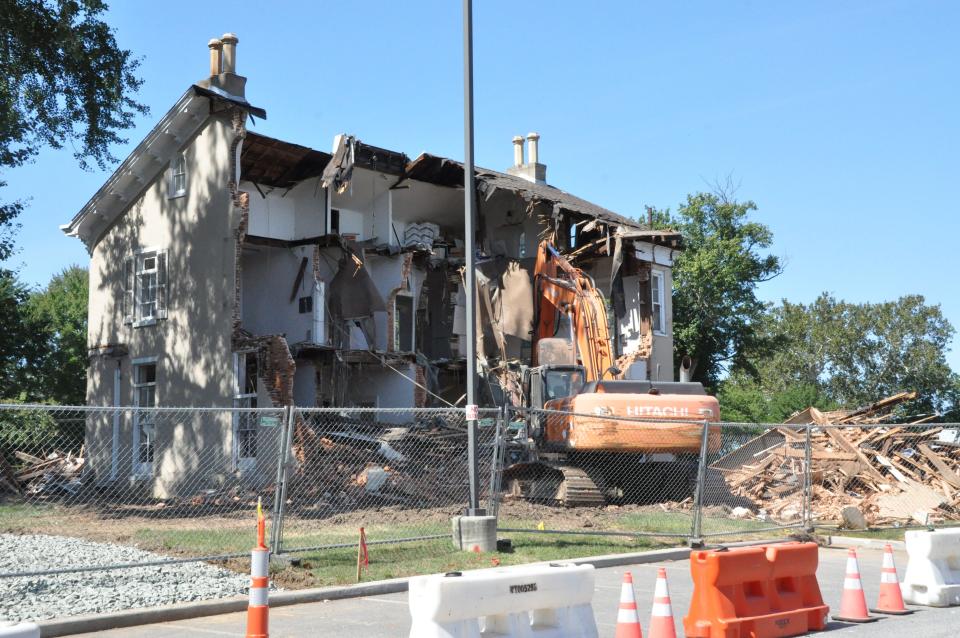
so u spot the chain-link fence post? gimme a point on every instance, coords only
(696, 531)
(280, 488)
(492, 500)
(808, 481)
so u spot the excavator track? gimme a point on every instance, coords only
(555, 483)
(588, 481)
(578, 489)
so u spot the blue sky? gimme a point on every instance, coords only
(839, 119)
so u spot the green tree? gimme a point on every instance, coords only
(715, 307)
(854, 354)
(63, 79)
(744, 399)
(15, 336)
(57, 317)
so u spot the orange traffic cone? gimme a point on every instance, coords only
(891, 598)
(853, 604)
(661, 618)
(628, 622)
(258, 609)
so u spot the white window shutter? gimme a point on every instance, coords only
(128, 285)
(162, 284)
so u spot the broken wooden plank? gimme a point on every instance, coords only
(946, 473)
(38, 469)
(819, 455)
(845, 444)
(29, 458)
(882, 404)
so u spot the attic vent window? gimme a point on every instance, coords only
(178, 176)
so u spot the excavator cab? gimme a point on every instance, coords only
(546, 383)
(549, 382)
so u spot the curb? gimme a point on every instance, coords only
(871, 543)
(20, 630)
(118, 620)
(235, 604)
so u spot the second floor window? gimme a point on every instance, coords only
(178, 175)
(145, 287)
(656, 308)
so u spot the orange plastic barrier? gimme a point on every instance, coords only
(755, 592)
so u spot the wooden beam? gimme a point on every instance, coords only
(323, 241)
(29, 458)
(299, 279)
(946, 473)
(846, 445)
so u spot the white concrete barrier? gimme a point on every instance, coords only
(933, 572)
(535, 601)
(21, 630)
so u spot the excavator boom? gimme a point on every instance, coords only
(562, 290)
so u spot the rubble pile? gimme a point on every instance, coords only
(864, 472)
(420, 464)
(36, 475)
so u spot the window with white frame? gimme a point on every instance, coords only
(656, 297)
(245, 424)
(145, 287)
(178, 176)
(144, 425)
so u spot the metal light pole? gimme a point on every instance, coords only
(470, 275)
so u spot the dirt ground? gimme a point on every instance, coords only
(90, 523)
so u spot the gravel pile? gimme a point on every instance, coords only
(40, 597)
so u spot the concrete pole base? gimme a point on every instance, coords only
(472, 532)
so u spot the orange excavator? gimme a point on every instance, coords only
(592, 437)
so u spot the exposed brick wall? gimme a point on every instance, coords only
(420, 393)
(241, 204)
(275, 364)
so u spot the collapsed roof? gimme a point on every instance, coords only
(271, 162)
(276, 163)
(442, 171)
(447, 172)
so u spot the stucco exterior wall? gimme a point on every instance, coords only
(192, 345)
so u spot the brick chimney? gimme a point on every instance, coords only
(531, 170)
(223, 66)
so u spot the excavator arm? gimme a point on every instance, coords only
(563, 289)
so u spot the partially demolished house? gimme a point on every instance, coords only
(229, 268)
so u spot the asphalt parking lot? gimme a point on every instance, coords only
(387, 616)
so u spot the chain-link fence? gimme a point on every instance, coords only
(661, 480)
(634, 482)
(175, 483)
(160, 485)
(400, 474)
